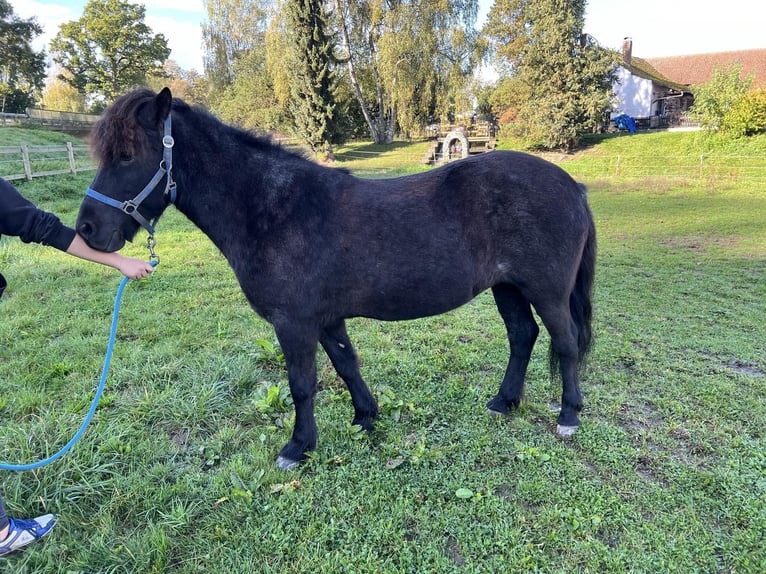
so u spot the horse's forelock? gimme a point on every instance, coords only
(118, 133)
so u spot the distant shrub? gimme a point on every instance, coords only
(747, 115)
(716, 98)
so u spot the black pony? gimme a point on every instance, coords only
(312, 246)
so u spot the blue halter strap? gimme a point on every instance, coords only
(131, 205)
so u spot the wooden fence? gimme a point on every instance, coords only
(26, 162)
(70, 122)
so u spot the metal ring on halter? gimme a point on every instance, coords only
(168, 141)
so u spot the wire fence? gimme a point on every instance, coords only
(621, 166)
(26, 162)
(701, 167)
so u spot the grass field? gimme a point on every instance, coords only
(666, 474)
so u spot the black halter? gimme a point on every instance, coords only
(131, 206)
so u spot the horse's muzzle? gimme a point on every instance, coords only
(113, 241)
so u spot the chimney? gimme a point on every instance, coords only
(627, 50)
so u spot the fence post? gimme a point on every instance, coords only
(702, 165)
(70, 151)
(25, 159)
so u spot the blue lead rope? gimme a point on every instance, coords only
(99, 390)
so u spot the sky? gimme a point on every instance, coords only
(657, 27)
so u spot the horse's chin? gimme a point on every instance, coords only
(114, 242)
(115, 245)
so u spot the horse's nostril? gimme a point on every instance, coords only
(85, 230)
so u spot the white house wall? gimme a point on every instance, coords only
(633, 95)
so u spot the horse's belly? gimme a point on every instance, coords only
(398, 304)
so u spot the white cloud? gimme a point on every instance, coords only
(184, 39)
(49, 16)
(192, 6)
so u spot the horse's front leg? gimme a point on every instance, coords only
(299, 345)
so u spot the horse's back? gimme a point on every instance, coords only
(423, 244)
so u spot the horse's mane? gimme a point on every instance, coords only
(117, 132)
(262, 142)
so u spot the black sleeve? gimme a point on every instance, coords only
(20, 217)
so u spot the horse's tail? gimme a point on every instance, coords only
(580, 300)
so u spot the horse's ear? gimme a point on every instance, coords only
(162, 104)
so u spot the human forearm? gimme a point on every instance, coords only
(133, 268)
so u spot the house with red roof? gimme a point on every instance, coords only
(657, 92)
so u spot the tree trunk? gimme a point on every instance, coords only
(375, 131)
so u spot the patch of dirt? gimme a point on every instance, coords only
(644, 468)
(744, 368)
(180, 437)
(699, 243)
(503, 492)
(639, 418)
(689, 452)
(454, 552)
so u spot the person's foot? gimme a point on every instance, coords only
(22, 532)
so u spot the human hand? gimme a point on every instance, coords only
(134, 268)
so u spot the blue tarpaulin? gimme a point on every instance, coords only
(625, 122)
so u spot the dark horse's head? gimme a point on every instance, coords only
(133, 184)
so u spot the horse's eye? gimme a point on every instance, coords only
(125, 158)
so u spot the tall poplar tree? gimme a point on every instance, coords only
(567, 75)
(313, 79)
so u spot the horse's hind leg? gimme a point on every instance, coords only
(338, 347)
(522, 333)
(563, 331)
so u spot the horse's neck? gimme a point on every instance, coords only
(226, 193)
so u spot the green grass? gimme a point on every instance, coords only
(685, 156)
(666, 474)
(12, 164)
(10, 137)
(377, 160)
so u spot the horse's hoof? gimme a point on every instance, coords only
(494, 413)
(286, 464)
(565, 431)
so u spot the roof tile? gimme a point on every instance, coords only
(698, 68)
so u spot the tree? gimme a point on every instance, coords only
(22, 70)
(185, 84)
(249, 101)
(238, 39)
(569, 77)
(508, 97)
(109, 50)
(234, 28)
(61, 96)
(312, 88)
(406, 60)
(714, 99)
